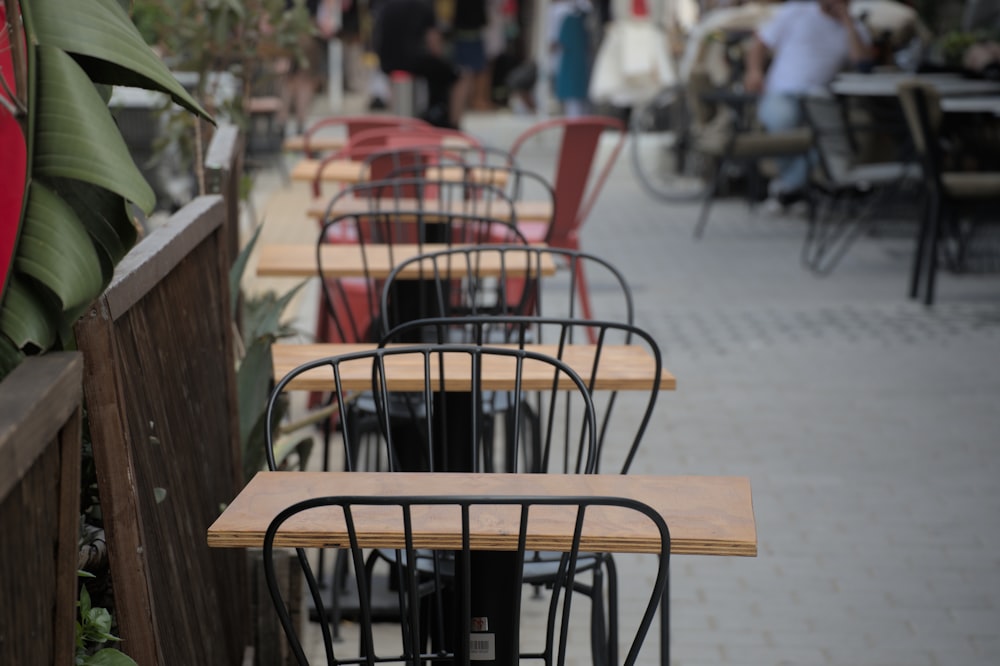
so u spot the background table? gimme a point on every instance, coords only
(623, 368)
(378, 260)
(533, 211)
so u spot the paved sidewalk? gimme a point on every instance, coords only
(868, 425)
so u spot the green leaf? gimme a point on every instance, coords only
(237, 269)
(76, 136)
(253, 385)
(27, 318)
(105, 216)
(113, 50)
(56, 250)
(109, 657)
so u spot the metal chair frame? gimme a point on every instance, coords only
(412, 576)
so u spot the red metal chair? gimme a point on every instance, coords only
(353, 125)
(578, 148)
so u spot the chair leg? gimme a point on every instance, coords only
(612, 576)
(933, 236)
(665, 626)
(706, 206)
(918, 254)
(599, 645)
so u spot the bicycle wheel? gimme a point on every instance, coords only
(663, 149)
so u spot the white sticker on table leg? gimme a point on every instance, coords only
(482, 647)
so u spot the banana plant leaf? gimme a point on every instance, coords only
(108, 45)
(27, 319)
(75, 135)
(56, 250)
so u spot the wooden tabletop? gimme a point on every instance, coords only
(622, 368)
(322, 143)
(533, 211)
(352, 171)
(346, 260)
(706, 515)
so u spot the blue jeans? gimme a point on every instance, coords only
(778, 112)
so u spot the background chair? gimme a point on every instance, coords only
(414, 569)
(733, 141)
(840, 181)
(312, 139)
(955, 200)
(577, 180)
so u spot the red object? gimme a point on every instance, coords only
(640, 9)
(15, 160)
(577, 151)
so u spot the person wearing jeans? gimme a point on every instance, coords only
(809, 43)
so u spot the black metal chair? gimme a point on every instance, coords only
(420, 573)
(949, 193)
(739, 143)
(548, 433)
(425, 428)
(521, 286)
(850, 189)
(351, 304)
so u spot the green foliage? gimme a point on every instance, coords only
(76, 224)
(93, 632)
(261, 327)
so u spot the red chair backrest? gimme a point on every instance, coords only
(577, 150)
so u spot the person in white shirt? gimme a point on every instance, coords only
(809, 43)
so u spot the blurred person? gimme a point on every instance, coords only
(468, 51)
(407, 38)
(808, 43)
(306, 76)
(494, 35)
(569, 48)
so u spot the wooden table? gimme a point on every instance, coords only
(352, 171)
(884, 84)
(707, 515)
(323, 144)
(623, 368)
(346, 260)
(533, 211)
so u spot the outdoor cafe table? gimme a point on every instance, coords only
(321, 144)
(975, 104)
(883, 84)
(353, 171)
(378, 260)
(623, 368)
(533, 211)
(706, 515)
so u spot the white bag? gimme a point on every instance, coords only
(632, 64)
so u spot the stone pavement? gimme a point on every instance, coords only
(868, 424)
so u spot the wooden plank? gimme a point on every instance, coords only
(524, 211)
(324, 143)
(149, 261)
(158, 350)
(623, 368)
(353, 171)
(40, 441)
(347, 260)
(36, 400)
(707, 515)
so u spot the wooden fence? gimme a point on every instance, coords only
(40, 426)
(160, 389)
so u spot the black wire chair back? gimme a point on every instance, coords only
(352, 303)
(522, 283)
(423, 636)
(444, 398)
(556, 426)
